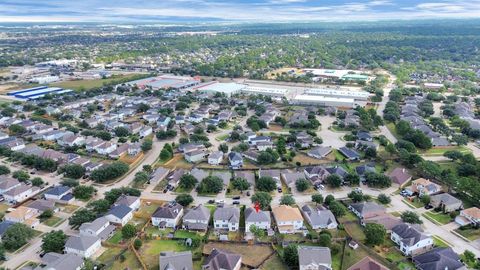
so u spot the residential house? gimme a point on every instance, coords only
(291, 177)
(167, 216)
(222, 260)
(100, 227)
(106, 148)
(468, 216)
(314, 258)
(251, 155)
(260, 219)
(196, 218)
(400, 176)
(364, 136)
(247, 175)
(215, 158)
(56, 193)
(83, 246)
(119, 214)
(441, 258)
(7, 183)
(316, 174)
(159, 174)
(319, 217)
(195, 156)
(71, 140)
(23, 214)
(367, 210)
(145, 131)
(170, 260)
(42, 205)
(226, 218)
(131, 201)
(4, 225)
(289, 219)
(423, 186)
(387, 220)
(263, 146)
(349, 154)
(320, 152)
(20, 193)
(367, 263)
(235, 159)
(411, 240)
(57, 261)
(446, 202)
(364, 169)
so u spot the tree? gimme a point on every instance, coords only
(352, 179)
(16, 129)
(329, 199)
(81, 216)
(302, 184)
(109, 172)
(184, 199)
(165, 155)
(54, 241)
(375, 233)
(256, 231)
(371, 153)
(121, 131)
(287, 200)
(187, 181)
(21, 176)
(99, 207)
(377, 180)
(37, 181)
(223, 147)
(453, 155)
(384, 199)
(281, 146)
(141, 177)
(128, 231)
(147, 145)
(74, 171)
(356, 196)
(83, 192)
(266, 184)
(240, 184)
(317, 198)
(137, 244)
(411, 217)
(46, 214)
(16, 236)
(263, 198)
(4, 170)
(210, 184)
(425, 199)
(290, 255)
(325, 239)
(112, 195)
(334, 180)
(337, 209)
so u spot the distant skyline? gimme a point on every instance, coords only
(111, 11)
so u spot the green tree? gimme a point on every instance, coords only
(334, 181)
(128, 231)
(384, 199)
(17, 236)
(210, 184)
(137, 244)
(352, 179)
(329, 199)
(147, 145)
(240, 184)
(337, 209)
(74, 171)
(375, 234)
(83, 192)
(317, 198)
(302, 184)
(109, 172)
(21, 176)
(425, 199)
(165, 155)
(281, 146)
(16, 130)
(256, 231)
(263, 198)
(184, 199)
(287, 200)
(266, 184)
(54, 241)
(121, 131)
(187, 181)
(37, 181)
(223, 147)
(46, 214)
(324, 239)
(411, 217)
(290, 256)
(81, 216)
(100, 207)
(4, 170)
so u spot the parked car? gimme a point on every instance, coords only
(280, 190)
(236, 202)
(428, 206)
(236, 198)
(248, 193)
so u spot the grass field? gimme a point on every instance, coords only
(437, 151)
(52, 221)
(350, 256)
(116, 237)
(151, 249)
(415, 203)
(252, 256)
(438, 217)
(440, 242)
(89, 84)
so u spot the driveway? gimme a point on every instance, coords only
(329, 137)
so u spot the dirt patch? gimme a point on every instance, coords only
(252, 255)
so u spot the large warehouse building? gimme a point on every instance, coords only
(38, 92)
(357, 95)
(324, 101)
(266, 91)
(165, 82)
(228, 89)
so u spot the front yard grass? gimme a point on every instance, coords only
(469, 233)
(52, 221)
(440, 242)
(438, 217)
(415, 203)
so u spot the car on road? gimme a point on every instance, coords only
(428, 206)
(236, 198)
(248, 193)
(236, 202)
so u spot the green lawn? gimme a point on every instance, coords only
(439, 242)
(116, 237)
(438, 217)
(470, 234)
(111, 258)
(151, 249)
(415, 203)
(441, 151)
(89, 84)
(185, 234)
(52, 221)
(274, 263)
(221, 138)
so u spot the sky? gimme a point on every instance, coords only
(233, 10)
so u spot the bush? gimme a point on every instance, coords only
(302, 184)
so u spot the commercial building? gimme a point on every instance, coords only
(38, 92)
(266, 91)
(324, 101)
(337, 93)
(165, 82)
(228, 89)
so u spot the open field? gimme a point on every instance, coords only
(89, 84)
(251, 255)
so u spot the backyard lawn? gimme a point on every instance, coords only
(350, 256)
(252, 256)
(111, 258)
(116, 237)
(151, 249)
(274, 263)
(52, 221)
(438, 217)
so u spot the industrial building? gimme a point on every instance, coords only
(274, 92)
(338, 74)
(38, 92)
(357, 95)
(228, 89)
(165, 82)
(324, 101)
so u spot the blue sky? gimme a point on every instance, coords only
(233, 10)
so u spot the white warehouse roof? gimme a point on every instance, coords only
(325, 101)
(337, 93)
(227, 88)
(265, 90)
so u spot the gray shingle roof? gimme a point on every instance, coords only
(316, 255)
(120, 211)
(81, 243)
(56, 261)
(438, 259)
(231, 214)
(409, 234)
(169, 211)
(318, 216)
(58, 190)
(198, 213)
(94, 225)
(251, 215)
(221, 259)
(176, 260)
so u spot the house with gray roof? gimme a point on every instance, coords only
(290, 177)
(222, 260)
(226, 218)
(130, 201)
(196, 219)
(7, 183)
(411, 239)
(235, 159)
(83, 246)
(438, 259)
(224, 175)
(215, 158)
(199, 174)
(169, 260)
(167, 216)
(349, 154)
(247, 175)
(57, 192)
(320, 152)
(314, 258)
(159, 174)
(57, 261)
(319, 217)
(100, 227)
(43, 205)
(4, 225)
(366, 210)
(119, 214)
(446, 202)
(261, 219)
(400, 176)
(338, 170)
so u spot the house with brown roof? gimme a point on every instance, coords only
(424, 186)
(446, 202)
(468, 216)
(367, 263)
(25, 215)
(289, 219)
(400, 176)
